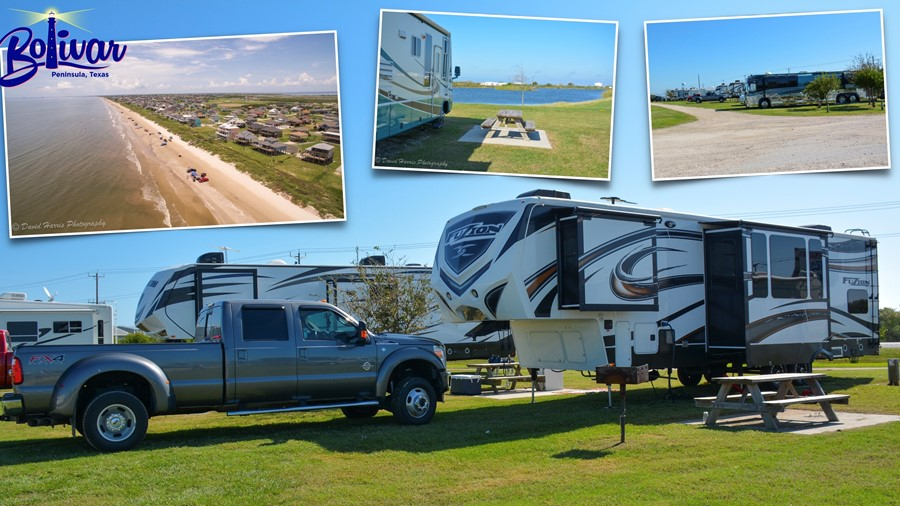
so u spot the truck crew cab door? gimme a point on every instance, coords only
(331, 365)
(265, 361)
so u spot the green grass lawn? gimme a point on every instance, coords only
(802, 110)
(578, 132)
(663, 118)
(561, 450)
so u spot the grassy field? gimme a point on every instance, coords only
(561, 450)
(802, 110)
(305, 183)
(663, 118)
(578, 132)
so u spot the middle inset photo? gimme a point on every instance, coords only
(495, 95)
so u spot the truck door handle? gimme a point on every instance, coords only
(242, 354)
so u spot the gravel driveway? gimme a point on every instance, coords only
(728, 143)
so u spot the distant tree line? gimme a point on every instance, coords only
(890, 324)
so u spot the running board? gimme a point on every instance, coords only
(304, 408)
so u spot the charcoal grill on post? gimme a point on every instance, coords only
(622, 376)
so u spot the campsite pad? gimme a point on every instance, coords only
(536, 139)
(798, 421)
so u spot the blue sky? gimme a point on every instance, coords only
(551, 51)
(282, 63)
(406, 211)
(724, 50)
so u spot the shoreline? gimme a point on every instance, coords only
(230, 197)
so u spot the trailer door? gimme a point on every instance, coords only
(726, 311)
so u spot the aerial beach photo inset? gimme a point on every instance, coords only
(767, 95)
(238, 130)
(494, 95)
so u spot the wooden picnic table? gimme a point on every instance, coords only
(509, 121)
(496, 374)
(768, 404)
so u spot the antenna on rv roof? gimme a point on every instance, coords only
(50, 297)
(615, 200)
(861, 231)
(226, 249)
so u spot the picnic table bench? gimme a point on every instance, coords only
(497, 374)
(509, 121)
(768, 403)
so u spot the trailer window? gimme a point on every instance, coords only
(416, 49)
(787, 258)
(22, 332)
(857, 302)
(67, 327)
(264, 324)
(760, 259)
(816, 270)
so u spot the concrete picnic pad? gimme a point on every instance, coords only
(506, 137)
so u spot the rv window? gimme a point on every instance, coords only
(541, 216)
(66, 327)
(264, 323)
(857, 302)
(787, 258)
(816, 270)
(760, 259)
(416, 49)
(22, 332)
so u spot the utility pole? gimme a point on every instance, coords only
(96, 275)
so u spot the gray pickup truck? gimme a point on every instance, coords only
(250, 356)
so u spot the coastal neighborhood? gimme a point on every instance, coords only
(305, 129)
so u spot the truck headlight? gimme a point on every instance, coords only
(440, 353)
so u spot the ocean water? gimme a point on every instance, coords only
(533, 97)
(72, 170)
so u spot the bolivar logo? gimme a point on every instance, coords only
(26, 54)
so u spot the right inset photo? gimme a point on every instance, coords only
(767, 95)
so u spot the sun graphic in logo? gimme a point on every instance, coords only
(70, 18)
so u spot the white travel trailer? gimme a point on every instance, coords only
(40, 322)
(586, 285)
(415, 85)
(174, 297)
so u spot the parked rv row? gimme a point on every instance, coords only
(772, 90)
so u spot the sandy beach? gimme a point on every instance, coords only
(229, 197)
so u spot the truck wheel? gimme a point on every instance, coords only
(842, 99)
(854, 98)
(360, 411)
(764, 103)
(414, 401)
(689, 378)
(115, 421)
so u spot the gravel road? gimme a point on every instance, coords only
(728, 143)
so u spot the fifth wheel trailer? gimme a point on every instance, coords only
(35, 322)
(174, 297)
(587, 285)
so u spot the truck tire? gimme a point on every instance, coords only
(841, 99)
(360, 411)
(413, 402)
(115, 421)
(764, 103)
